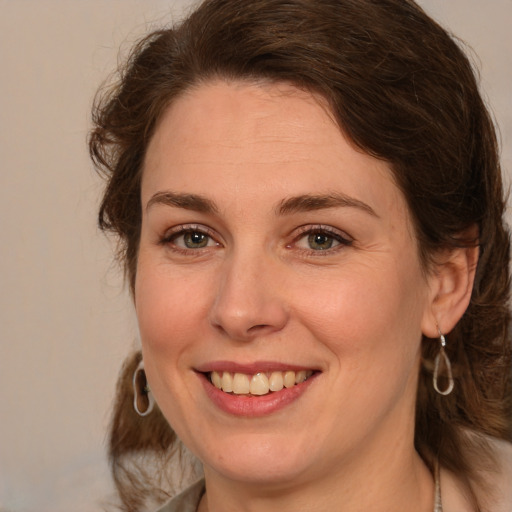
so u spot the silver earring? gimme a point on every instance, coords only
(143, 401)
(448, 368)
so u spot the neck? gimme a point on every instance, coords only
(366, 482)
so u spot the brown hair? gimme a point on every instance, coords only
(402, 90)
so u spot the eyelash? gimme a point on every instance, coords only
(179, 231)
(342, 238)
(170, 237)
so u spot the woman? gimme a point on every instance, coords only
(309, 204)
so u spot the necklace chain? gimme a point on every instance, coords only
(438, 506)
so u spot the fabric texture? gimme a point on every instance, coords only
(501, 478)
(186, 501)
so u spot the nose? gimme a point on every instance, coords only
(249, 301)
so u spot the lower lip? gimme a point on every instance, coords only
(255, 406)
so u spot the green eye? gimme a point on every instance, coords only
(195, 239)
(187, 239)
(320, 241)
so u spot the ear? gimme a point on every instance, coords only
(451, 283)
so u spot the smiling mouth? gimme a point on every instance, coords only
(258, 384)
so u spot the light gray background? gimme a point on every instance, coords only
(66, 322)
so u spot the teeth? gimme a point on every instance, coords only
(289, 379)
(258, 384)
(216, 380)
(275, 382)
(241, 385)
(300, 376)
(227, 382)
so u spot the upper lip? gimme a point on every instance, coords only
(250, 368)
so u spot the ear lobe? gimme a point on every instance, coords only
(451, 284)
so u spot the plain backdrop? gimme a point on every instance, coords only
(66, 321)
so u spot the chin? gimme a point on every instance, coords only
(261, 460)
(262, 473)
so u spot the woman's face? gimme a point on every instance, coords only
(273, 251)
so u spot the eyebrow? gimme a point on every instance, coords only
(194, 202)
(305, 203)
(296, 204)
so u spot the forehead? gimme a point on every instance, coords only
(237, 115)
(275, 139)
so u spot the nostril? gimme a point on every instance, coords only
(256, 328)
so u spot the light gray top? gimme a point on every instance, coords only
(186, 501)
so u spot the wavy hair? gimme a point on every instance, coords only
(402, 90)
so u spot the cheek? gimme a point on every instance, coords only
(365, 310)
(169, 307)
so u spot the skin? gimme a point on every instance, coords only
(260, 291)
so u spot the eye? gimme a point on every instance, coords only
(321, 238)
(189, 238)
(321, 241)
(193, 239)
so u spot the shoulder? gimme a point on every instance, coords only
(499, 477)
(494, 492)
(186, 501)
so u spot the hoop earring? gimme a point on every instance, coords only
(143, 401)
(437, 363)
